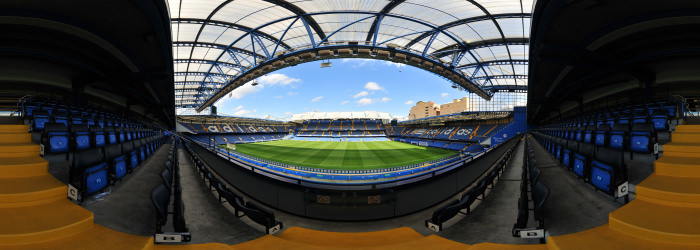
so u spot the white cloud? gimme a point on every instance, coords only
(241, 112)
(408, 102)
(291, 93)
(344, 102)
(365, 101)
(385, 99)
(444, 94)
(373, 86)
(357, 62)
(278, 97)
(361, 94)
(317, 99)
(275, 79)
(287, 113)
(239, 93)
(389, 63)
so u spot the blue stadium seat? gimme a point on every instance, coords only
(89, 173)
(132, 154)
(55, 139)
(61, 116)
(98, 136)
(660, 119)
(607, 169)
(588, 134)
(116, 161)
(642, 139)
(618, 136)
(81, 136)
(39, 119)
(112, 135)
(121, 133)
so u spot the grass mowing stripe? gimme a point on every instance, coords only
(369, 157)
(319, 155)
(353, 158)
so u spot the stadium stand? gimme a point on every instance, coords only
(341, 130)
(461, 133)
(603, 156)
(233, 130)
(599, 78)
(76, 134)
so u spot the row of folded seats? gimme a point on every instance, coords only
(94, 169)
(464, 203)
(600, 154)
(37, 114)
(254, 212)
(57, 138)
(533, 195)
(162, 195)
(664, 115)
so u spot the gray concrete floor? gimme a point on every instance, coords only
(492, 221)
(127, 206)
(207, 219)
(573, 205)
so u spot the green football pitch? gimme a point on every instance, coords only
(343, 155)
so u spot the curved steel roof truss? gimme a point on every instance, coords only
(221, 45)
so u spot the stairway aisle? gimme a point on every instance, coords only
(34, 210)
(666, 211)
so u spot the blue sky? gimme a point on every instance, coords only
(349, 85)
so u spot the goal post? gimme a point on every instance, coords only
(231, 146)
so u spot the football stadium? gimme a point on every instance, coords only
(358, 124)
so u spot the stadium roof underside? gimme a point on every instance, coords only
(479, 45)
(464, 116)
(225, 120)
(341, 115)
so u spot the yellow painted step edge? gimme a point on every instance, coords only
(48, 235)
(652, 235)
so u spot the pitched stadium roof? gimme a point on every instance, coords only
(341, 115)
(219, 45)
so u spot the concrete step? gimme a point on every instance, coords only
(20, 129)
(670, 190)
(678, 166)
(15, 137)
(688, 128)
(18, 149)
(682, 147)
(604, 238)
(29, 191)
(685, 137)
(658, 222)
(23, 166)
(98, 238)
(42, 223)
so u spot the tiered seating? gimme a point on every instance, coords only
(460, 138)
(100, 157)
(476, 192)
(222, 134)
(530, 222)
(601, 145)
(345, 128)
(162, 195)
(254, 212)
